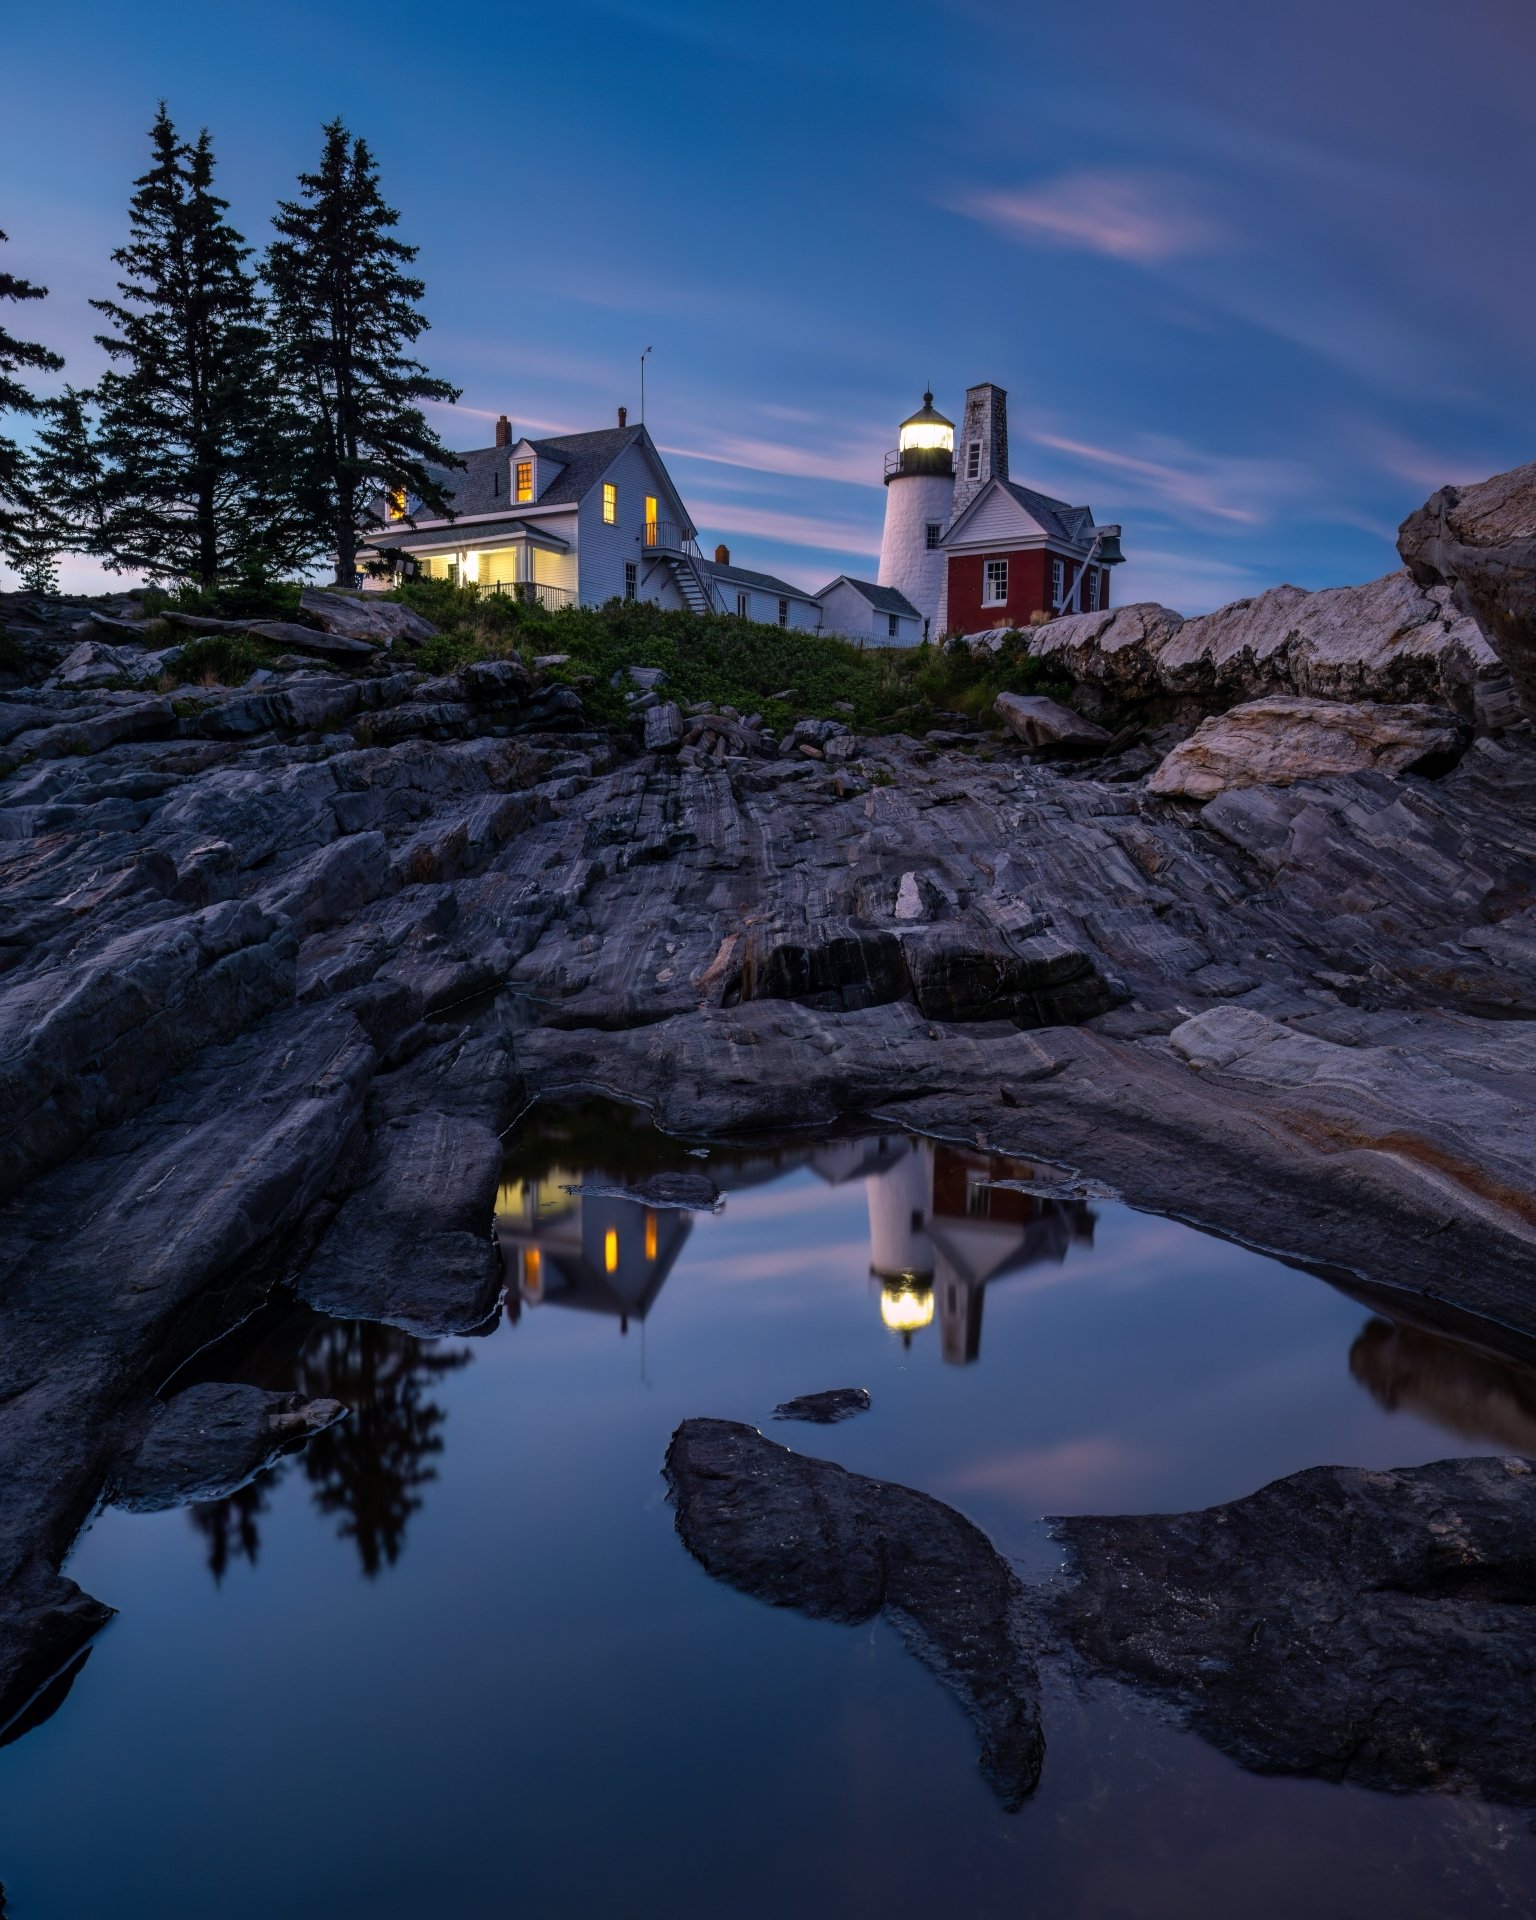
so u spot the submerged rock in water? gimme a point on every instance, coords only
(1276, 742)
(1355, 1625)
(691, 1191)
(810, 1535)
(212, 1438)
(823, 1409)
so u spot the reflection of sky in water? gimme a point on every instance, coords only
(457, 1663)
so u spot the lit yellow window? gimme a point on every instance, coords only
(397, 503)
(650, 519)
(525, 479)
(650, 1235)
(611, 1249)
(610, 504)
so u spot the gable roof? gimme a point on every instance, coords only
(582, 457)
(882, 599)
(764, 582)
(1071, 526)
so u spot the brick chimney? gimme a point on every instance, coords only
(722, 556)
(623, 416)
(503, 432)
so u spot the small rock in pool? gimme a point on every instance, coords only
(684, 1190)
(839, 1403)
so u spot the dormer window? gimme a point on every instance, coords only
(610, 504)
(397, 503)
(524, 480)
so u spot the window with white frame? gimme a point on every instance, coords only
(892, 626)
(1093, 589)
(783, 613)
(631, 579)
(994, 584)
(1058, 582)
(934, 533)
(743, 606)
(524, 477)
(610, 504)
(973, 461)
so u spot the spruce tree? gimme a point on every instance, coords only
(185, 411)
(16, 496)
(68, 483)
(344, 315)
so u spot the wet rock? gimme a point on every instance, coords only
(210, 1439)
(1278, 741)
(1042, 722)
(806, 1534)
(1345, 1624)
(825, 1409)
(694, 1192)
(366, 617)
(1480, 543)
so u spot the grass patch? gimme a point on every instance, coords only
(222, 659)
(729, 662)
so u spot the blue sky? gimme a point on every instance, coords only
(1256, 280)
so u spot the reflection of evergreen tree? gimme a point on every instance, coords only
(230, 1525)
(369, 1468)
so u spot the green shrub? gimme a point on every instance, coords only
(228, 658)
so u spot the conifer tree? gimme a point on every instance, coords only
(344, 316)
(16, 500)
(186, 409)
(68, 483)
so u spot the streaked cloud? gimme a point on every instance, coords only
(1242, 489)
(1141, 217)
(789, 529)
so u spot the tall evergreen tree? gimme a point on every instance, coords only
(16, 497)
(345, 317)
(68, 483)
(186, 409)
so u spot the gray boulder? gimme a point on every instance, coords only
(1278, 741)
(211, 1439)
(366, 617)
(1480, 542)
(663, 728)
(1040, 721)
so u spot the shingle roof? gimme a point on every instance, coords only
(882, 599)
(583, 458)
(764, 582)
(1057, 520)
(469, 533)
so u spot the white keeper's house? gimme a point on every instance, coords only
(589, 517)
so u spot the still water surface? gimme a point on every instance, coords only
(452, 1660)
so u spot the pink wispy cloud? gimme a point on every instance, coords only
(792, 529)
(1138, 217)
(1170, 473)
(861, 465)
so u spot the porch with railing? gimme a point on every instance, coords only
(529, 592)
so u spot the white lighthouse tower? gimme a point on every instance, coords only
(919, 496)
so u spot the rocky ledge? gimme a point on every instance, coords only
(1371, 1627)
(281, 964)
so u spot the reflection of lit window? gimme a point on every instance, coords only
(610, 504)
(650, 1235)
(611, 1249)
(533, 1272)
(978, 1199)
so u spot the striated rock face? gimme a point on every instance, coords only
(1042, 722)
(1278, 741)
(366, 617)
(1371, 1627)
(807, 1534)
(1388, 640)
(1480, 544)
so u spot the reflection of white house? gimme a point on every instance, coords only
(940, 1232)
(596, 1253)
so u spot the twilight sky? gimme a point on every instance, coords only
(1256, 280)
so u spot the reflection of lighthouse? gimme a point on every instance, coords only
(900, 1249)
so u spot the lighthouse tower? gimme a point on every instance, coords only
(919, 495)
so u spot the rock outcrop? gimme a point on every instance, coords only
(1479, 543)
(1350, 1625)
(1389, 640)
(1042, 722)
(824, 1409)
(211, 1439)
(807, 1534)
(1278, 741)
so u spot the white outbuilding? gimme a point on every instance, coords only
(873, 615)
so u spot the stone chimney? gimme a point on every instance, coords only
(981, 451)
(722, 555)
(503, 432)
(623, 416)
